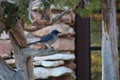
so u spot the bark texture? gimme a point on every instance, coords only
(110, 65)
(19, 42)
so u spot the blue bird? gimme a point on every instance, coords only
(48, 39)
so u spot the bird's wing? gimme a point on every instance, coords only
(47, 38)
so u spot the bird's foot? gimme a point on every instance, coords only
(51, 49)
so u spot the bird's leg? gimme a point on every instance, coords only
(49, 47)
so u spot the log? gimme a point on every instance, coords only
(7, 73)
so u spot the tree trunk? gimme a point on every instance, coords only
(19, 42)
(110, 65)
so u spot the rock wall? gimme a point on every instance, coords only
(59, 66)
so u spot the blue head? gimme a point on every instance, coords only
(55, 32)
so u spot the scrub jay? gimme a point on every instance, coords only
(48, 39)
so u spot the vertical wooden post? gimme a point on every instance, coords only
(82, 50)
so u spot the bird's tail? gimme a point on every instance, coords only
(33, 43)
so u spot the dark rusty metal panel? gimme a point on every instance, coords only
(82, 50)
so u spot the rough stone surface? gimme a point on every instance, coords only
(66, 77)
(45, 73)
(63, 28)
(5, 48)
(70, 65)
(64, 44)
(67, 18)
(57, 56)
(49, 63)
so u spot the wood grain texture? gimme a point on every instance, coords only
(110, 65)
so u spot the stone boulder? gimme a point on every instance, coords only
(62, 27)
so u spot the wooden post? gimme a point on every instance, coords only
(82, 50)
